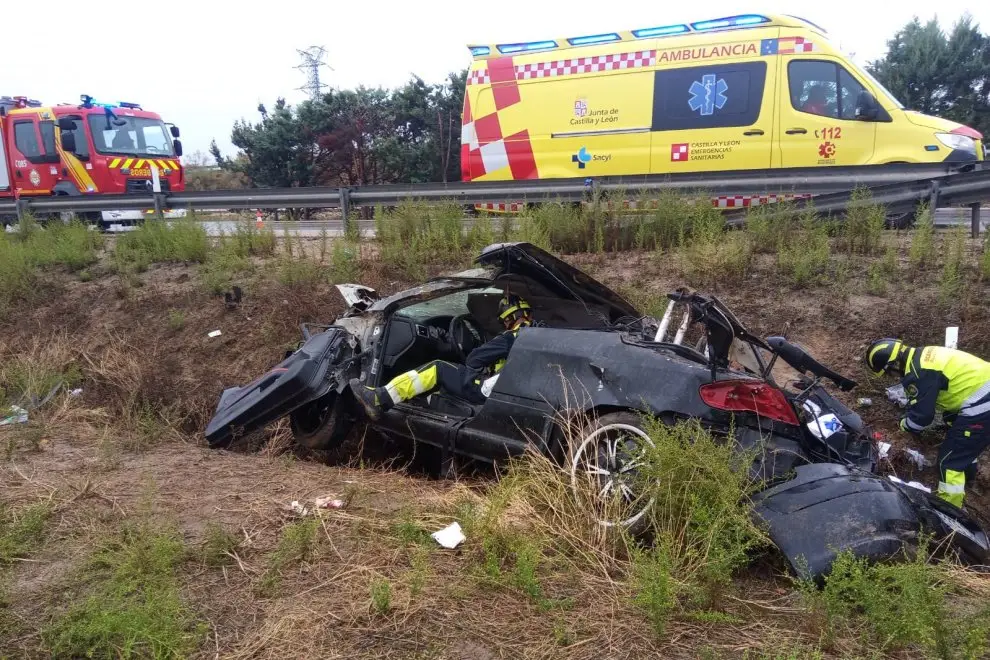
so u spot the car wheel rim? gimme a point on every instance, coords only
(611, 455)
(315, 417)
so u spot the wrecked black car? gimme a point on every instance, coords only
(594, 356)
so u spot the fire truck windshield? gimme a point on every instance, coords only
(133, 136)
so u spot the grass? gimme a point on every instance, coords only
(344, 261)
(29, 375)
(953, 278)
(22, 530)
(130, 604)
(219, 545)
(176, 319)
(72, 246)
(159, 242)
(381, 595)
(898, 607)
(296, 545)
(804, 258)
(922, 252)
(864, 223)
(880, 272)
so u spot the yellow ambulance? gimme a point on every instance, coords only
(744, 92)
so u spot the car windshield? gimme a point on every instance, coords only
(876, 83)
(132, 136)
(453, 304)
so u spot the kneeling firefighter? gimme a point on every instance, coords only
(461, 380)
(952, 382)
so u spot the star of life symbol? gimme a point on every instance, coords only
(708, 94)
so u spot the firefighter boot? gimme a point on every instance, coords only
(375, 401)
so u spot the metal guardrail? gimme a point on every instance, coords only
(810, 180)
(898, 186)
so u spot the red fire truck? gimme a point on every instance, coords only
(89, 148)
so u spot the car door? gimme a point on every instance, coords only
(818, 109)
(4, 173)
(713, 117)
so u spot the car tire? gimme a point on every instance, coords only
(321, 424)
(595, 453)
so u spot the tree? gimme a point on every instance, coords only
(355, 137)
(939, 74)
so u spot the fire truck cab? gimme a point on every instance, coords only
(89, 148)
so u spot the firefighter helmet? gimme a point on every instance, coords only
(882, 355)
(511, 308)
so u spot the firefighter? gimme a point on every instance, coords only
(950, 381)
(461, 380)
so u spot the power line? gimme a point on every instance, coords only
(312, 62)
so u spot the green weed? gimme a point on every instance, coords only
(862, 230)
(299, 272)
(952, 279)
(898, 606)
(22, 530)
(879, 273)
(922, 251)
(29, 378)
(130, 605)
(771, 226)
(224, 266)
(176, 319)
(700, 519)
(410, 532)
(806, 256)
(381, 595)
(160, 242)
(985, 258)
(714, 256)
(420, 569)
(247, 240)
(219, 545)
(344, 261)
(296, 545)
(654, 589)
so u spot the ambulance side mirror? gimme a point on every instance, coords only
(66, 124)
(178, 148)
(174, 130)
(867, 108)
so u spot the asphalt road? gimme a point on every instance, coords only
(311, 228)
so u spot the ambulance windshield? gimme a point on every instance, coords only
(135, 136)
(876, 83)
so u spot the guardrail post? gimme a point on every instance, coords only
(975, 219)
(933, 199)
(345, 208)
(158, 206)
(22, 208)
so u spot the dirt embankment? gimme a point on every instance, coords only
(132, 445)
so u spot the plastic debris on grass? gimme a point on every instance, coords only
(449, 537)
(17, 415)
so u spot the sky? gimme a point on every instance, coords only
(204, 64)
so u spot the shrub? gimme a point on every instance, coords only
(223, 266)
(806, 256)
(157, 242)
(771, 226)
(922, 251)
(865, 220)
(952, 279)
(898, 606)
(344, 261)
(880, 272)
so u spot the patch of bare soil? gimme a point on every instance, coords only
(146, 348)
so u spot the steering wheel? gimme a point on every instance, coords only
(464, 335)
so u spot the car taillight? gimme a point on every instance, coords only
(749, 396)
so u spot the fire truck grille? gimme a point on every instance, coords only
(144, 185)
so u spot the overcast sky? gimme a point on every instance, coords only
(204, 64)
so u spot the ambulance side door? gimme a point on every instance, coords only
(818, 124)
(713, 117)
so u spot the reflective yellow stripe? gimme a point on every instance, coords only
(412, 383)
(127, 163)
(173, 165)
(163, 165)
(138, 165)
(953, 489)
(114, 163)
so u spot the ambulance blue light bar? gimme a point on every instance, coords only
(742, 20)
(526, 47)
(480, 51)
(664, 31)
(594, 39)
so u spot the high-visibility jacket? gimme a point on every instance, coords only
(491, 356)
(946, 380)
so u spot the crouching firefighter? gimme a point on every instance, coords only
(464, 381)
(952, 382)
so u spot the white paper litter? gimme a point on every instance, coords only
(917, 458)
(76, 392)
(449, 537)
(298, 508)
(215, 333)
(884, 448)
(897, 395)
(17, 416)
(328, 502)
(912, 484)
